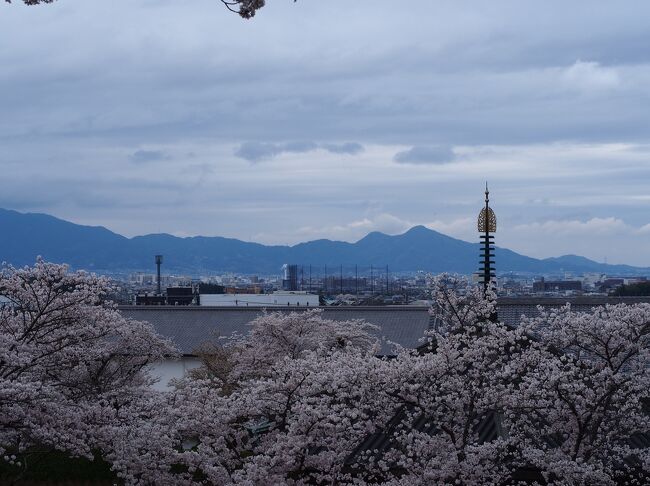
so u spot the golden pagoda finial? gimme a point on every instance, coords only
(487, 220)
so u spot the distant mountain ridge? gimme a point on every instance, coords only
(23, 236)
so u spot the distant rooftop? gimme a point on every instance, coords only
(511, 309)
(190, 326)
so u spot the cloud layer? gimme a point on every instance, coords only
(425, 155)
(304, 122)
(256, 151)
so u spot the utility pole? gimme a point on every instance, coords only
(387, 292)
(341, 277)
(356, 279)
(159, 260)
(372, 281)
(310, 278)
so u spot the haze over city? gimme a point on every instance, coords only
(333, 119)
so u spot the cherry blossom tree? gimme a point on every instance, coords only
(71, 367)
(306, 417)
(458, 305)
(244, 8)
(448, 427)
(449, 396)
(309, 391)
(276, 336)
(304, 400)
(292, 402)
(571, 389)
(574, 416)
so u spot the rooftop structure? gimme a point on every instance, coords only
(543, 285)
(275, 299)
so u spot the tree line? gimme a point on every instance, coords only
(300, 399)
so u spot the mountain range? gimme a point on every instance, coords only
(24, 236)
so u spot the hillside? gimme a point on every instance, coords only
(26, 235)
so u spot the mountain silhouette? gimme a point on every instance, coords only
(24, 236)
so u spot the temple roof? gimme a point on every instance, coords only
(190, 326)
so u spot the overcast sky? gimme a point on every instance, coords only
(333, 118)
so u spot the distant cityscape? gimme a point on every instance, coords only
(377, 270)
(310, 285)
(300, 285)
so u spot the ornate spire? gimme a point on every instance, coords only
(487, 220)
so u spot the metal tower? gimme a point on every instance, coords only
(159, 260)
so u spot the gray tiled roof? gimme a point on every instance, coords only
(189, 326)
(511, 309)
(383, 440)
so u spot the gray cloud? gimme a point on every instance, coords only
(145, 156)
(426, 155)
(256, 151)
(349, 148)
(298, 147)
(465, 86)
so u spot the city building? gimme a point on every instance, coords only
(275, 299)
(150, 299)
(557, 286)
(181, 296)
(290, 277)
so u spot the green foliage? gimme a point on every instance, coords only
(633, 290)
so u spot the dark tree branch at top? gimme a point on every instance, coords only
(244, 8)
(33, 2)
